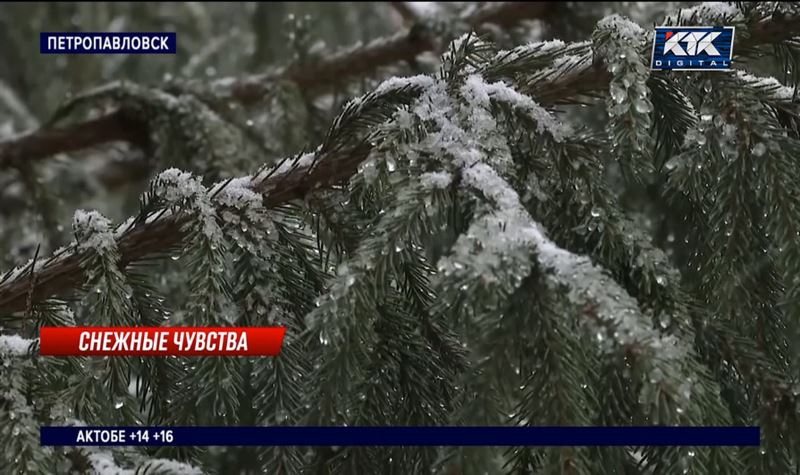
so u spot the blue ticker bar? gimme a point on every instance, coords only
(401, 436)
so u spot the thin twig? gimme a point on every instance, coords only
(29, 303)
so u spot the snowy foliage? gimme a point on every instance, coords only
(395, 83)
(179, 188)
(624, 28)
(436, 179)
(93, 231)
(712, 12)
(769, 86)
(237, 193)
(103, 464)
(303, 161)
(477, 91)
(620, 43)
(14, 345)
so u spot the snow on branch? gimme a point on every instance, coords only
(510, 227)
(184, 192)
(768, 87)
(179, 188)
(14, 345)
(710, 12)
(93, 231)
(620, 43)
(103, 463)
(421, 81)
(623, 27)
(501, 92)
(63, 273)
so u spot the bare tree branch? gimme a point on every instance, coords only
(114, 127)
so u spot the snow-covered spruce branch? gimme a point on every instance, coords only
(313, 77)
(21, 451)
(335, 160)
(465, 139)
(619, 42)
(582, 76)
(14, 346)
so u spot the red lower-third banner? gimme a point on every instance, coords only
(160, 341)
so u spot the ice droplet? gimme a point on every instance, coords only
(175, 257)
(118, 404)
(759, 149)
(642, 106)
(617, 93)
(672, 163)
(595, 212)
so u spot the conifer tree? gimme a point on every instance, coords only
(521, 233)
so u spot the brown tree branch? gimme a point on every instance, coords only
(116, 126)
(321, 74)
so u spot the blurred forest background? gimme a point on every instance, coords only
(217, 42)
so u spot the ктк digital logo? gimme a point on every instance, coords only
(692, 48)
